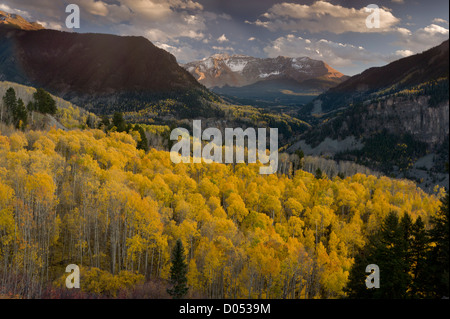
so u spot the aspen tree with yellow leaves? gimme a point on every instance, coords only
(94, 199)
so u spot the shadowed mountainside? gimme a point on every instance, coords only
(97, 71)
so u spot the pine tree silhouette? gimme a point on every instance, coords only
(178, 273)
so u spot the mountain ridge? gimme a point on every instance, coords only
(265, 82)
(101, 72)
(403, 73)
(239, 70)
(17, 21)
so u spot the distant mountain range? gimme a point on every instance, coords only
(282, 80)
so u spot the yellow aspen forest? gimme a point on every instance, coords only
(93, 199)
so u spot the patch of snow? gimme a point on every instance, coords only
(237, 65)
(265, 75)
(208, 63)
(300, 65)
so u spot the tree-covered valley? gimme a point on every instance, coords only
(92, 197)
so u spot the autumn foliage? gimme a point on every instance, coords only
(94, 199)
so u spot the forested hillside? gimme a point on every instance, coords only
(92, 198)
(66, 115)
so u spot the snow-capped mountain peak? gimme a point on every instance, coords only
(239, 70)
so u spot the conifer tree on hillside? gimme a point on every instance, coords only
(318, 173)
(119, 122)
(20, 114)
(390, 254)
(13, 110)
(44, 103)
(143, 143)
(9, 104)
(389, 249)
(419, 250)
(178, 272)
(413, 262)
(438, 258)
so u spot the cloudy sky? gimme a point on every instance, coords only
(330, 30)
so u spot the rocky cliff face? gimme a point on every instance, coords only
(398, 115)
(404, 136)
(413, 116)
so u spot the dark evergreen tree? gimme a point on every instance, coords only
(9, 103)
(319, 173)
(389, 255)
(301, 156)
(143, 143)
(418, 253)
(105, 122)
(438, 259)
(20, 115)
(356, 286)
(387, 249)
(178, 272)
(44, 103)
(404, 253)
(119, 122)
(31, 107)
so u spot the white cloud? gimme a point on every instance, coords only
(251, 39)
(398, 1)
(403, 31)
(50, 11)
(225, 16)
(22, 13)
(26, 15)
(336, 54)
(323, 16)
(220, 48)
(222, 39)
(98, 8)
(167, 23)
(352, 57)
(345, 57)
(50, 25)
(184, 52)
(158, 20)
(403, 53)
(423, 38)
(439, 20)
